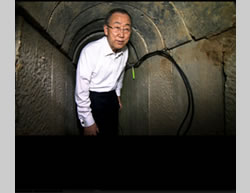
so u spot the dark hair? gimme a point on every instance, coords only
(116, 10)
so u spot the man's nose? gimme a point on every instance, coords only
(121, 33)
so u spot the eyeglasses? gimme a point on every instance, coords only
(117, 29)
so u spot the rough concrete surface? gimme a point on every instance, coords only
(41, 76)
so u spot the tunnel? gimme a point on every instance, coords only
(199, 36)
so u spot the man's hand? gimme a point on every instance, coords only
(91, 130)
(120, 103)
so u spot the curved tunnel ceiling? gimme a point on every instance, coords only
(87, 22)
(156, 25)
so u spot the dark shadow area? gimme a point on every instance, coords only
(126, 163)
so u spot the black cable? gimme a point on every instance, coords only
(130, 44)
(185, 80)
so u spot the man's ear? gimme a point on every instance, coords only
(105, 28)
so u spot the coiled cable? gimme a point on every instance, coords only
(165, 54)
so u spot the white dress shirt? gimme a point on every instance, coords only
(99, 69)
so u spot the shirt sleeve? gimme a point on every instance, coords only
(83, 77)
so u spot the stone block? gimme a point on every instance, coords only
(33, 84)
(204, 19)
(41, 88)
(205, 74)
(39, 11)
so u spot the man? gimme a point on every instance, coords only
(99, 76)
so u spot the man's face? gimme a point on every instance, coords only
(118, 31)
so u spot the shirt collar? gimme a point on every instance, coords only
(109, 51)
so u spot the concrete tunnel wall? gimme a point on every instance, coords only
(200, 36)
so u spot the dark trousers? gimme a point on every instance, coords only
(105, 109)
